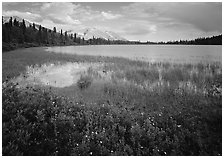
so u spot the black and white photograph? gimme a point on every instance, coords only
(111, 78)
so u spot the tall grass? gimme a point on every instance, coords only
(129, 121)
(128, 108)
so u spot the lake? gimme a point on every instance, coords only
(152, 53)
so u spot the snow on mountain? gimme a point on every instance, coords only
(89, 33)
(115, 36)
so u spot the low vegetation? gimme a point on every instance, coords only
(84, 82)
(123, 107)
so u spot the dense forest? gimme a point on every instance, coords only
(16, 34)
(214, 40)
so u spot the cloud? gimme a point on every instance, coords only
(140, 29)
(70, 13)
(60, 12)
(150, 20)
(25, 15)
(109, 16)
(65, 27)
(203, 16)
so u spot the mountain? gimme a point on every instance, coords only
(115, 36)
(89, 33)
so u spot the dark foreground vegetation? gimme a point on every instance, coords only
(133, 122)
(122, 115)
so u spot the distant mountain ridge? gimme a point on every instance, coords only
(87, 33)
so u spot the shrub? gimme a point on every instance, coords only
(36, 122)
(175, 75)
(141, 75)
(84, 82)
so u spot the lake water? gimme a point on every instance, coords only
(152, 53)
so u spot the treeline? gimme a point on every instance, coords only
(16, 34)
(214, 40)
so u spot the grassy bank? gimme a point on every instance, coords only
(123, 107)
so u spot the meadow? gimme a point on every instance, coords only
(122, 107)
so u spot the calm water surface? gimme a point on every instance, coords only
(153, 53)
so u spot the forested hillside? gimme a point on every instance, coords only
(214, 40)
(17, 34)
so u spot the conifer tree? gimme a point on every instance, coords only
(74, 37)
(66, 36)
(39, 38)
(54, 30)
(61, 36)
(34, 28)
(10, 22)
(83, 40)
(24, 27)
(16, 23)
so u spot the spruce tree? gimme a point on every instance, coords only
(74, 37)
(34, 28)
(24, 27)
(83, 41)
(39, 38)
(10, 22)
(61, 36)
(16, 23)
(54, 30)
(66, 35)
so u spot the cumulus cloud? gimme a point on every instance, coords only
(150, 20)
(60, 12)
(70, 13)
(25, 15)
(50, 24)
(108, 15)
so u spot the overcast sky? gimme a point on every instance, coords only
(134, 21)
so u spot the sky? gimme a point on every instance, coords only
(144, 21)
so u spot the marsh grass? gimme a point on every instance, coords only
(84, 82)
(128, 108)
